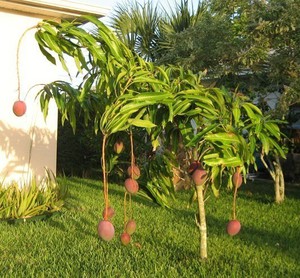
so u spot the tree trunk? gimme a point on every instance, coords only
(279, 185)
(201, 222)
(275, 170)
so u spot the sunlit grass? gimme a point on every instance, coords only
(166, 243)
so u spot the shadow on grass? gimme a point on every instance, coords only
(262, 190)
(81, 223)
(97, 185)
(287, 242)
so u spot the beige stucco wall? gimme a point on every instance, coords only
(27, 143)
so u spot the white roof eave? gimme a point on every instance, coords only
(53, 8)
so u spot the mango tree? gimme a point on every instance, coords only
(117, 91)
(226, 129)
(120, 90)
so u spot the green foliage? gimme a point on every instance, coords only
(158, 176)
(250, 45)
(29, 200)
(165, 242)
(121, 91)
(225, 128)
(208, 44)
(137, 26)
(117, 87)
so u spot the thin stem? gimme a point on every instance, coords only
(132, 153)
(18, 59)
(132, 162)
(234, 203)
(105, 184)
(131, 147)
(125, 209)
(130, 207)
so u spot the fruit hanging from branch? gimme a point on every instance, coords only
(199, 176)
(19, 108)
(119, 147)
(134, 172)
(131, 186)
(194, 166)
(106, 230)
(233, 227)
(237, 179)
(130, 227)
(125, 238)
(108, 213)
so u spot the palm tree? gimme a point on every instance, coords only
(180, 19)
(137, 26)
(148, 29)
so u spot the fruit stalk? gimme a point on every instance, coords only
(105, 185)
(18, 59)
(125, 209)
(234, 203)
(132, 153)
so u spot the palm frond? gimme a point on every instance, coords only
(137, 25)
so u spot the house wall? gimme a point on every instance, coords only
(27, 143)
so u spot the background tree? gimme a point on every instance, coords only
(137, 26)
(147, 28)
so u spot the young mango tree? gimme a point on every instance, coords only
(117, 91)
(120, 90)
(226, 129)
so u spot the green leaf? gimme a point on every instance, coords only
(278, 149)
(199, 136)
(236, 113)
(141, 123)
(49, 29)
(225, 162)
(180, 107)
(252, 110)
(265, 142)
(225, 138)
(132, 107)
(273, 129)
(51, 42)
(49, 57)
(116, 124)
(215, 190)
(215, 173)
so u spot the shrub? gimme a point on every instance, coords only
(33, 199)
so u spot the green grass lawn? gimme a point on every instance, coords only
(166, 243)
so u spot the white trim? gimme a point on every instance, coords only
(54, 8)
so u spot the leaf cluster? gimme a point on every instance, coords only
(31, 199)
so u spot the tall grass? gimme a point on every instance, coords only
(166, 241)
